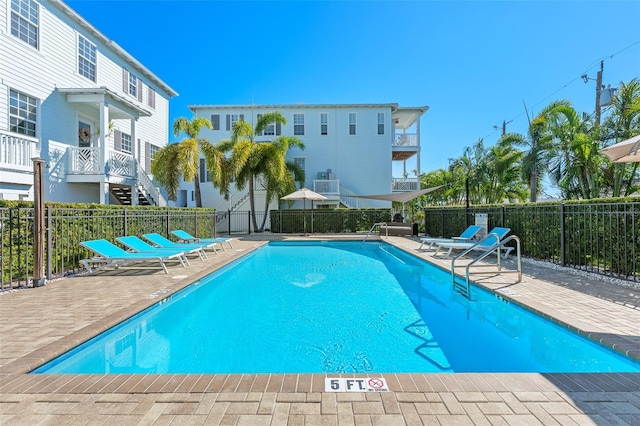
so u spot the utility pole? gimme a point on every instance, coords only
(504, 127)
(598, 92)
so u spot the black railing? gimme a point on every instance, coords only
(600, 237)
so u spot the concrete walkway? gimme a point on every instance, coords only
(39, 324)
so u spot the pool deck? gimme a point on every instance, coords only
(38, 324)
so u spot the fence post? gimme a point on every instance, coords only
(562, 236)
(38, 222)
(49, 244)
(195, 220)
(124, 220)
(442, 223)
(167, 230)
(502, 216)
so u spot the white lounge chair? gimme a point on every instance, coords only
(185, 237)
(488, 243)
(160, 241)
(465, 237)
(135, 244)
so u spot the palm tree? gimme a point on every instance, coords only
(539, 143)
(576, 164)
(250, 161)
(181, 160)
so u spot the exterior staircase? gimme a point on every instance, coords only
(123, 194)
(148, 193)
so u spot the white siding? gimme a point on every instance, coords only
(38, 72)
(361, 162)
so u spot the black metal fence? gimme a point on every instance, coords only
(67, 227)
(601, 237)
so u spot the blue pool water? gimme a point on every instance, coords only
(335, 307)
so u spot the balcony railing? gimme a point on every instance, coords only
(327, 187)
(88, 161)
(405, 184)
(16, 151)
(405, 139)
(85, 161)
(121, 164)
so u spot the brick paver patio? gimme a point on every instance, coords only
(38, 324)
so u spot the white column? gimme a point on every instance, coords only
(134, 155)
(103, 108)
(104, 192)
(418, 172)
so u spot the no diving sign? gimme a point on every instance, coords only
(368, 384)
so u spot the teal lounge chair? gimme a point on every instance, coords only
(488, 243)
(137, 245)
(160, 241)
(110, 255)
(465, 237)
(185, 237)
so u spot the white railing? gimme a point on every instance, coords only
(405, 139)
(153, 191)
(405, 184)
(16, 151)
(349, 199)
(85, 161)
(327, 187)
(120, 164)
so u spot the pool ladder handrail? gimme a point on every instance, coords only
(373, 227)
(464, 289)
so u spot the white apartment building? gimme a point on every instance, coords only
(76, 99)
(350, 149)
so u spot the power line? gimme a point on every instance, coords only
(589, 67)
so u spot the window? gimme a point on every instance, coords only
(25, 21)
(149, 152)
(270, 130)
(352, 123)
(126, 143)
(86, 58)
(232, 118)
(381, 123)
(298, 124)
(22, 113)
(133, 85)
(205, 176)
(299, 161)
(324, 120)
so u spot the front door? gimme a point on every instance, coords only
(85, 132)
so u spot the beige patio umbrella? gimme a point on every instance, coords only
(627, 151)
(304, 194)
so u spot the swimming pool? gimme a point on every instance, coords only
(332, 307)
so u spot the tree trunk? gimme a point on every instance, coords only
(252, 203)
(266, 212)
(533, 185)
(196, 190)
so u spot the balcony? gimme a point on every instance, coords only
(405, 184)
(405, 146)
(16, 152)
(88, 161)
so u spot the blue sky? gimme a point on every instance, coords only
(474, 63)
